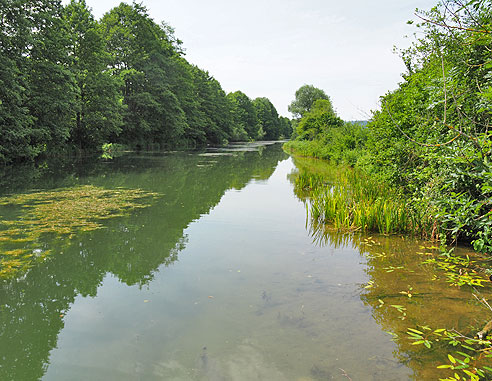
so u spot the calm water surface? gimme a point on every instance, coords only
(219, 279)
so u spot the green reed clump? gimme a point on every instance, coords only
(350, 200)
(309, 182)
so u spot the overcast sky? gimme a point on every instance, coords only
(269, 48)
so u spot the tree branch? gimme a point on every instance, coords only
(416, 142)
(444, 25)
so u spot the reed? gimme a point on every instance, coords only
(351, 200)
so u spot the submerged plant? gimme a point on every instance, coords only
(61, 212)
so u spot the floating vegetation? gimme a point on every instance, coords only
(459, 271)
(61, 212)
(470, 357)
(454, 355)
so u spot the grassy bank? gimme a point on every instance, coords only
(341, 144)
(307, 148)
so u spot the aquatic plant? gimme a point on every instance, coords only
(348, 199)
(459, 271)
(452, 354)
(57, 213)
(470, 354)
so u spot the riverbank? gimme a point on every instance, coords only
(349, 199)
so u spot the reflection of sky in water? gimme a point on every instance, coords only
(250, 298)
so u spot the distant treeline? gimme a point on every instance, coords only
(432, 137)
(69, 82)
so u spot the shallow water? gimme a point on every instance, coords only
(219, 279)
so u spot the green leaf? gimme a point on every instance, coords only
(452, 359)
(473, 375)
(460, 367)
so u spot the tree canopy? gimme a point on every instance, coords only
(71, 82)
(304, 100)
(270, 125)
(318, 120)
(244, 115)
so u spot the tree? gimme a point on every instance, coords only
(52, 89)
(141, 51)
(432, 136)
(318, 120)
(214, 107)
(244, 114)
(268, 121)
(68, 81)
(182, 84)
(285, 127)
(305, 97)
(37, 89)
(98, 109)
(15, 119)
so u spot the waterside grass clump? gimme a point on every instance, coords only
(348, 199)
(58, 213)
(308, 148)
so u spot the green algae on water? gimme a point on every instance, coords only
(59, 213)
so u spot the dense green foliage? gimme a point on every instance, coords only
(432, 136)
(270, 126)
(244, 117)
(98, 111)
(306, 96)
(342, 144)
(322, 134)
(70, 82)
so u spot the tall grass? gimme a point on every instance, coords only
(348, 199)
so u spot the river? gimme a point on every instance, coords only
(218, 277)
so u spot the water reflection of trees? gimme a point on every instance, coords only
(132, 248)
(395, 269)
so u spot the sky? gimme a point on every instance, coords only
(270, 48)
